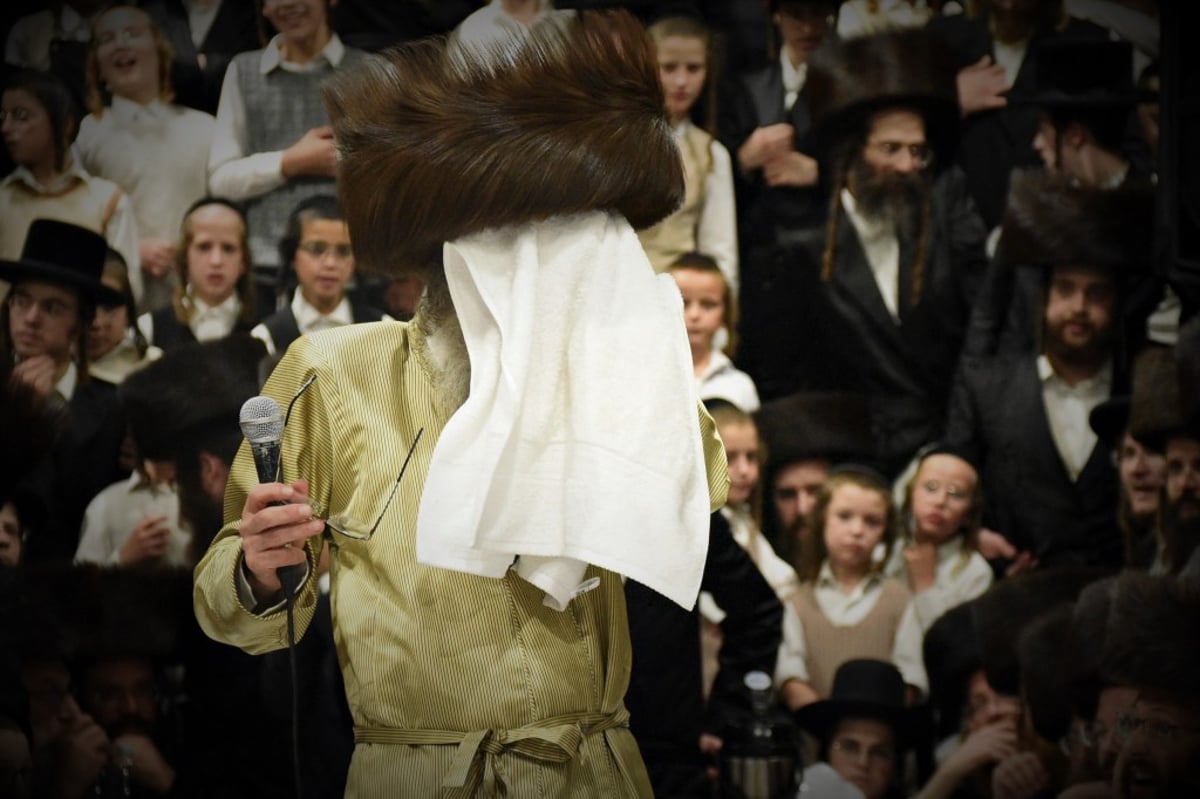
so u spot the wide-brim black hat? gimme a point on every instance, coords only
(816, 426)
(1110, 419)
(1049, 222)
(1081, 74)
(850, 80)
(862, 688)
(65, 254)
(189, 391)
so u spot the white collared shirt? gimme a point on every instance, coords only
(847, 610)
(882, 249)
(29, 39)
(1068, 408)
(716, 229)
(112, 515)
(207, 323)
(722, 380)
(67, 383)
(1010, 55)
(493, 22)
(232, 171)
(201, 15)
(794, 79)
(959, 577)
(308, 319)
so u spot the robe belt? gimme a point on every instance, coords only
(551, 740)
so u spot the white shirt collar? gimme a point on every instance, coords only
(309, 318)
(793, 77)
(1046, 374)
(73, 172)
(826, 579)
(717, 361)
(67, 383)
(127, 110)
(272, 57)
(209, 322)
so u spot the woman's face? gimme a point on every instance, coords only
(215, 258)
(855, 522)
(108, 325)
(741, 452)
(863, 752)
(942, 494)
(1143, 475)
(682, 68)
(26, 128)
(703, 305)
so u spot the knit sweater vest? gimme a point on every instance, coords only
(829, 646)
(87, 204)
(281, 107)
(678, 233)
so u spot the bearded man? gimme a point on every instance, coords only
(1050, 480)
(875, 297)
(483, 473)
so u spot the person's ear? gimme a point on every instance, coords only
(214, 474)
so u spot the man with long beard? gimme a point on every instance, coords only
(1050, 481)
(875, 297)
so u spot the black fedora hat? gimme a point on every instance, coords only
(66, 254)
(1110, 419)
(1081, 75)
(862, 688)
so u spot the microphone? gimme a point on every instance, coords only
(261, 421)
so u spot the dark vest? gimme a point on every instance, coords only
(284, 330)
(171, 334)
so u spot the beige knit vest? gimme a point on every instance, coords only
(678, 233)
(829, 646)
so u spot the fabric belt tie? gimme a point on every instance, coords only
(551, 740)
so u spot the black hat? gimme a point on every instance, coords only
(1049, 222)
(59, 252)
(1110, 420)
(809, 426)
(861, 688)
(1084, 75)
(190, 390)
(848, 81)
(951, 653)
(948, 448)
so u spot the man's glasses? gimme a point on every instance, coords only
(342, 524)
(319, 249)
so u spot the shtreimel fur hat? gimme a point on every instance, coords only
(440, 138)
(1154, 642)
(1049, 222)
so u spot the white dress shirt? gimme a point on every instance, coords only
(847, 610)
(854, 17)
(722, 380)
(882, 249)
(308, 319)
(1068, 408)
(208, 322)
(794, 78)
(1010, 55)
(959, 577)
(234, 172)
(114, 512)
(201, 14)
(716, 230)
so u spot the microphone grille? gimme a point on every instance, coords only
(261, 420)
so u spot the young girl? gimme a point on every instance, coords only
(39, 123)
(115, 346)
(318, 265)
(711, 313)
(846, 608)
(707, 220)
(215, 296)
(939, 561)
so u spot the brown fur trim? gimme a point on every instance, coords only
(1154, 641)
(850, 80)
(1155, 411)
(439, 140)
(1049, 222)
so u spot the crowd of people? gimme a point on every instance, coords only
(958, 401)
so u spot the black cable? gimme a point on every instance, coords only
(290, 594)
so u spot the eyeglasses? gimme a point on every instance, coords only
(1156, 729)
(23, 303)
(953, 493)
(921, 154)
(318, 249)
(125, 36)
(876, 755)
(341, 523)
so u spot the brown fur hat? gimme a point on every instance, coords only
(848, 81)
(1049, 222)
(1155, 640)
(440, 138)
(1155, 410)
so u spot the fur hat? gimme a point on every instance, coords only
(1154, 642)
(190, 389)
(808, 426)
(1049, 222)
(1155, 407)
(849, 81)
(951, 656)
(1045, 653)
(440, 138)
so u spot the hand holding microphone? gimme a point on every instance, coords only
(276, 519)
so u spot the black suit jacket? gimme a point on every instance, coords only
(997, 413)
(800, 333)
(994, 142)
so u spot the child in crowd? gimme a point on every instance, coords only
(215, 296)
(707, 220)
(846, 607)
(942, 511)
(39, 123)
(136, 137)
(710, 313)
(115, 345)
(318, 265)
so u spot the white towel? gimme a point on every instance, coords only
(579, 442)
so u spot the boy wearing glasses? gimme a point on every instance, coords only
(318, 266)
(880, 288)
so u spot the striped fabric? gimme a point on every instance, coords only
(459, 685)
